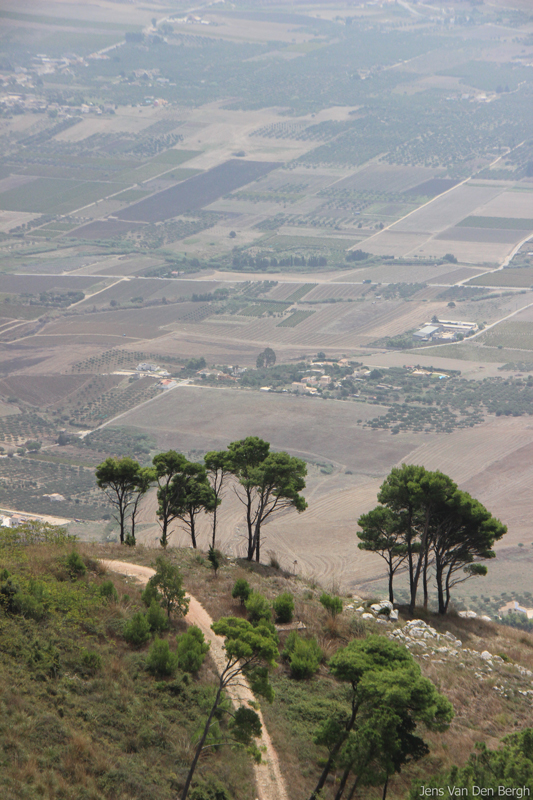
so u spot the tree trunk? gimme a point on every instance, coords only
(440, 590)
(425, 580)
(420, 561)
(391, 578)
(447, 601)
(122, 515)
(192, 530)
(352, 790)
(213, 538)
(344, 781)
(250, 555)
(334, 752)
(385, 788)
(201, 743)
(164, 532)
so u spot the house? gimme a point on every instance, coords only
(427, 332)
(513, 607)
(145, 367)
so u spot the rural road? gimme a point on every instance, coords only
(268, 777)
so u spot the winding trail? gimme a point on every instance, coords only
(269, 780)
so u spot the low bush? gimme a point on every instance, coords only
(75, 565)
(210, 789)
(137, 630)
(331, 603)
(304, 656)
(192, 649)
(284, 607)
(258, 608)
(108, 591)
(156, 618)
(160, 660)
(241, 590)
(91, 662)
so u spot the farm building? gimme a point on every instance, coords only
(513, 607)
(145, 367)
(55, 497)
(427, 332)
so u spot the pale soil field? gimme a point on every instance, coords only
(397, 272)
(225, 131)
(244, 29)
(448, 209)
(126, 266)
(311, 428)
(473, 352)
(322, 539)
(472, 370)
(104, 12)
(480, 235)
(12, 219)
(509, 204)
(520, 277)
(425, 245)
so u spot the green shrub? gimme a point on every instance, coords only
(242, 590)
(331, 603)
(192, 649)
(160, 661)
(28, 606)
(137, 630)
(91, 662)
(75, 565)
(149, 594)
(215, 559)
(210, 789)
(258, 608)
(284, 607)
(108, 591)
(157, 620)
(304, 655)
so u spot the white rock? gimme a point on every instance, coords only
(468, 614)
(375, 607)
(393, 615)
(498, 659)
(367, 616)
(386, 604)
(360, 608)
(486, 656)
(485, 618)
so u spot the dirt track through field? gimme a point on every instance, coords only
(269, 780)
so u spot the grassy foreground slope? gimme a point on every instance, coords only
(81, 717)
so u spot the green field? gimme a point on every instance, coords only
(300, 292)
(473, 352)
(55, 195)
(510, 334)
(161, 163)
(131, 195)
(295, 319)
(522, 277)
(507, 223)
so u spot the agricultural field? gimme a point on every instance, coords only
(200, 191)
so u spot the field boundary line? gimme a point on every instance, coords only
(443, 194)
(269, 780)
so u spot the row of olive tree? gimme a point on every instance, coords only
(425, 523)
(265, 482)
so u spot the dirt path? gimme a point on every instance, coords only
(269, 780)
